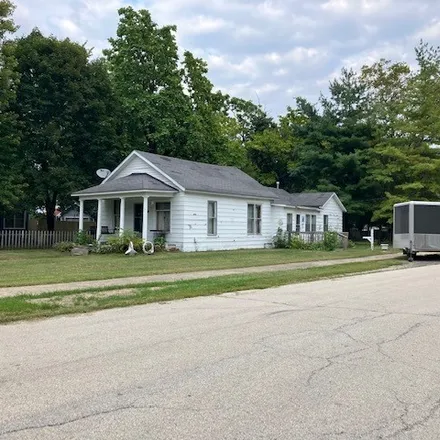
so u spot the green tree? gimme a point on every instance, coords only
(11, 184)
(333, 146)
(206, 141)
(405, 162)
(144, 66)
(68, 120)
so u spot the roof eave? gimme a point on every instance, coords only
(116, 193)
(240, 196)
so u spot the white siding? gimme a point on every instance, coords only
(231, 224)
(137, 165)
(335, 215)
(279, 219)
(175, 237)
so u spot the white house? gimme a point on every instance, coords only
(201, 207)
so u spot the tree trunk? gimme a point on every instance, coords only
(50, 212)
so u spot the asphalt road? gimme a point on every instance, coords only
(354, 358)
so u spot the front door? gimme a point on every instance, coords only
(138, 217)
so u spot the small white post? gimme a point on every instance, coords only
(122, 216)
(99, 220)
(370, 238)
(145, 219)
(81, 215)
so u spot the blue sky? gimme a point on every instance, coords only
(265, 50)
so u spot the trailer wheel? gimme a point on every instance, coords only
(412, 256)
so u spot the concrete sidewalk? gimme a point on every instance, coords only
(62, 287)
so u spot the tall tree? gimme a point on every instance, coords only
(64, 105)
(405, 162)
(144, 65)
(11, 184)
(333, 146)
(205, 139)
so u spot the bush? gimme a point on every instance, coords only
(104, 249)
(331, 241)
(160, 244)
(281, 239)
(119, 244)
(82, 238)
(296, 242)
(64, 246)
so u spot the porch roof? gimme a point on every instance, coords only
(133, 182)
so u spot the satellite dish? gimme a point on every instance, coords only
(103, 173)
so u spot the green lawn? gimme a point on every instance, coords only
(30, 267)
(89, 300)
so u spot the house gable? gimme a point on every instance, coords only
(335, 199)
(135, 164)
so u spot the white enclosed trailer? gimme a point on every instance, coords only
(416, 227)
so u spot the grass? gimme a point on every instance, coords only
(88, 300)
(32, 267)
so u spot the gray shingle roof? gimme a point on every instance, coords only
(197, 176)
(133, 182)
(313, 200)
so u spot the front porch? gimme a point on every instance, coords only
(148, 215)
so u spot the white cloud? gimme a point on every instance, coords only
(276, 48)
(281, 72)
(202, 25)
(270, 9)
(430, 32)
(267, 88)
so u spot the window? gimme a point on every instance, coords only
(254, 219)
(325, 223)
(117, 213)
(310, 223)
(212, 218)
(298, 223)
(15, 221)
(289, 222)
(163, 216)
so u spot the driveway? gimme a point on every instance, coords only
(354, 358)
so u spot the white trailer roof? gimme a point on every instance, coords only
(417, 203)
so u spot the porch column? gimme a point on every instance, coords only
(81, 215)
(145, 219)
(99, 220)
(122, 216)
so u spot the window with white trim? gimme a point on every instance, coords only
(254, 219)
(289, 222)
(163, 216)
(298, 223)
(310, 223)
(212, 218)
(325, 223)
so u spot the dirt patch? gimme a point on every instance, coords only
(70, 300)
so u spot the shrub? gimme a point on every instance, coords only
(281, 239)
(82, 238)
(104, 249)
(331, 241)
(119, 244)
(64, 246)
(296, 242)
(160, 243)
